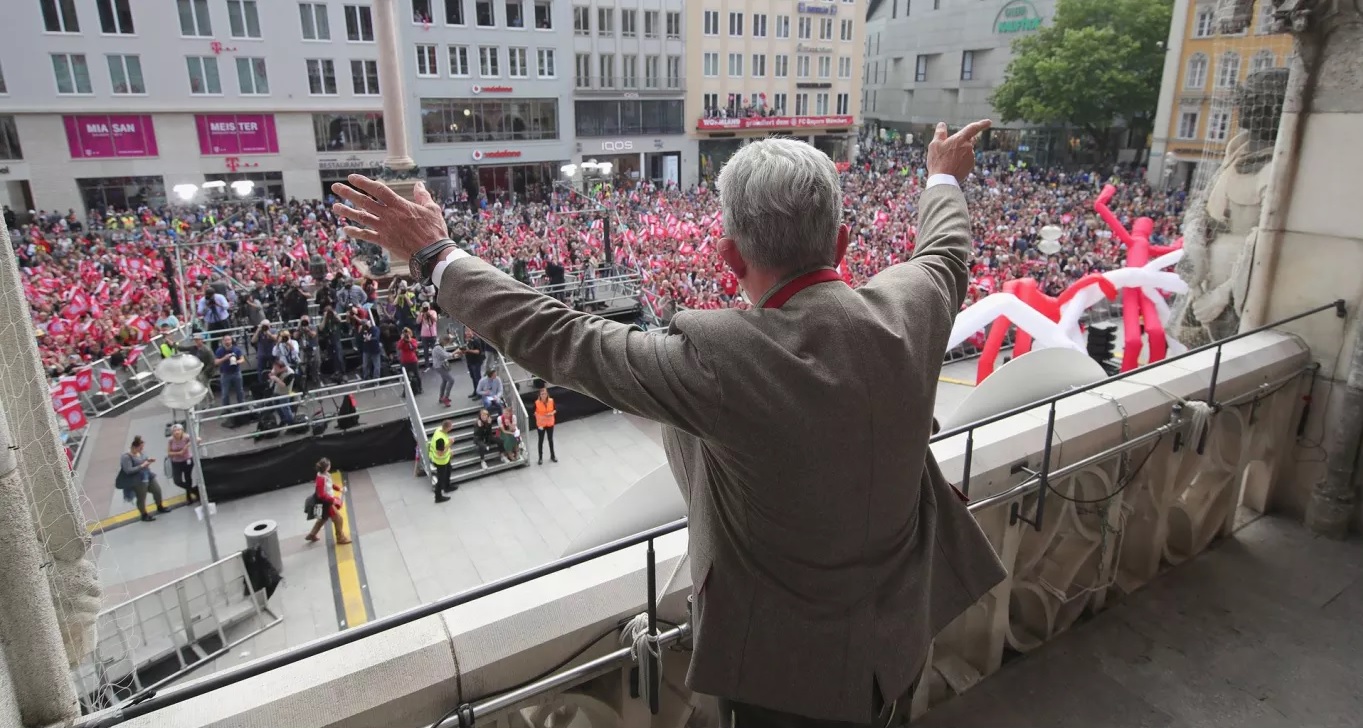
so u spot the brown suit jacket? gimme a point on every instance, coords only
(827, 548)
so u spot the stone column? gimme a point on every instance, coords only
(59, 524)
(399, 170)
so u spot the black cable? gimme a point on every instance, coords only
(1130, 478)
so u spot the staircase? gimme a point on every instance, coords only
(465, 463)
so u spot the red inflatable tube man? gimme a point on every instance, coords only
(1136, 307)
(1027, 291)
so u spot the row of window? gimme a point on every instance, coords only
(1218, 124)
(804, 26)
(841, 103)
(1227, 68)
(72, 73)
(908, 7)
(485, 13)
(655, 77)
(1205, 25)
(489, 62)
(243, 19)
(875, 73)
(629, 117)
(450, 121)
(780, 66)
(629, 22)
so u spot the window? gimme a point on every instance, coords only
(936, 4)
(780, 65)
(582, 20)
(322, 77)
(712, 22)
(73, 76)
(488, 58)
(802, 66)
(59, 16)
(844, 67)
(629, 117)
(920, 69)
(427, 64)
(1263, 60)
(783, 26)
(517, 62)
(825, 29)
(1195, 77)
(1187, 125)
(628, 22)
(364, 78)
(125, 75)
(1218, 125)
(313, 16)
(606, 64)
(821, 104)
(3, 88)
(421, 11)
(1265, 17)
(825, 66)
(846, 30)
(967, 65)
(802, 104)
(515, 14)
(194, 20)
(651, 64)
(779, 102)
(203, 76)
(735, 65)
(544, 16)
(459, 60)
(759, 25)
(630, 65)
(650, 23)
(584, 70)
(674, 25)
(1205, 24)
(451, 121)
(736, 25)
(348, 132)
(545, 60)
(9, 139)
(759, 65)
(251, 77)
(454, 12)
(359, 23)
(674, 71)
(711, 101)
(242, 19)
(711, 62)
(605, 21)
(1228, 70)
(483, 14)
(115, 17)
(804, 25)
(842, 104)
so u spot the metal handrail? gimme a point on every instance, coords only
(1038, 481)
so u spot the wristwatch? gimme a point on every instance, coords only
(422, 264)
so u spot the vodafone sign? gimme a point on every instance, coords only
(479, 155)
(475, 88)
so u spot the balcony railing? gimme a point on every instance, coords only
(1030, 548)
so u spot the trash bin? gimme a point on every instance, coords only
(265, 534)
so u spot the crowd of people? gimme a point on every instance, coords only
(103, 285)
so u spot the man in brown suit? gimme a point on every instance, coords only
(827, 548)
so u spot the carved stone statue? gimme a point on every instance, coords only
(1222, 224)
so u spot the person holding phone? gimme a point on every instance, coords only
(135, 468)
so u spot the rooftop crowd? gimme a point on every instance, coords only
(100, 286)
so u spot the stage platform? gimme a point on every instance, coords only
(408, 550)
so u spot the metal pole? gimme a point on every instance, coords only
(610, 255)
(654, 679)
(196, 450)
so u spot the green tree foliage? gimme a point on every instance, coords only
(1097, 64)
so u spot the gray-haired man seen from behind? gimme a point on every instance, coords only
(824, 558)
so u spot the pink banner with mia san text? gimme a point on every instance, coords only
(234, 134)
(101, 136)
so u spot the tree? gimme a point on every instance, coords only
(1099, 63)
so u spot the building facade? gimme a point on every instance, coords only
(759, 68)
(629, 86)
(940, 60)
(1211, 53)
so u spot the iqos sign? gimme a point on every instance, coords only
(617, 146)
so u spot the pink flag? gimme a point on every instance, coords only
(73, 416)
(84, 379)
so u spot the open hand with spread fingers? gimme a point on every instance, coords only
(378, 214)
(955, 154)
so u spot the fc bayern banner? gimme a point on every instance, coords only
(102, 136)
(234, 134)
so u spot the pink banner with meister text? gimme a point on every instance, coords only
(235, 134)
(99, 136)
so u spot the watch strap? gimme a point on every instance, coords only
(423, 262)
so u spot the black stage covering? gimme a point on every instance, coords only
(294, 461)
(570, 405)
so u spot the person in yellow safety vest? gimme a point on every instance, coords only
(164, 346)
(441, 451)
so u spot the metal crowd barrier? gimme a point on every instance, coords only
(159, 637)
(130, 382)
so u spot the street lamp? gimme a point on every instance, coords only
(181, 390)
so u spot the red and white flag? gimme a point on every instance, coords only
(73, 416)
